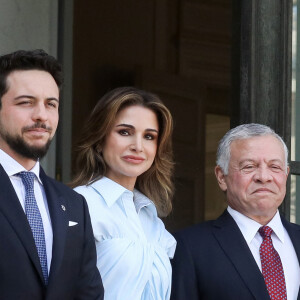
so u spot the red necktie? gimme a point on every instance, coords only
(271, 266)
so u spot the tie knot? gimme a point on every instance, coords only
(265, 231)
(27, 178)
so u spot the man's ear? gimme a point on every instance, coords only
(221, 178)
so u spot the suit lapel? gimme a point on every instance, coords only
(294, 233)
(234, 245)
(59, 221)
(11, 208)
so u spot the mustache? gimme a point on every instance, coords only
(37, 125)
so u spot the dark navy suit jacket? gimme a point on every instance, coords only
(213, 261)
(73, 271)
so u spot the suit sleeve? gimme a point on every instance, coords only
(184, 279)
(90, 283)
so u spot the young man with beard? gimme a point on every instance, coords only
(47, 248)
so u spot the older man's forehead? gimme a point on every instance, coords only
(267, 145)
(260, 139)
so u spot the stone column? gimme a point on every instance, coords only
(261, 66)
(30, 24)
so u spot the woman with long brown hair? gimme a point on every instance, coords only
(124, 169)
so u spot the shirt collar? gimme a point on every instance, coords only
(12, 167)
(277, 226)
(141, 201)
(250, 227)
(112, 191)
(109, 190)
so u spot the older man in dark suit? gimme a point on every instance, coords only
(47, 248)
(250, 251)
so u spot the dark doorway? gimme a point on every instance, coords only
(179, 49)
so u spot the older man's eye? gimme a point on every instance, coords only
(276, 168)
(248, 168)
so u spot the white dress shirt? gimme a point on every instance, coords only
(281, 242)
(133, 246)
(12, 167)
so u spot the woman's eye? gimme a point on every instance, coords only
(149, 137)
(123, 132)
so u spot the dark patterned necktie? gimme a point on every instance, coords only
(35, 220)
(271, 265)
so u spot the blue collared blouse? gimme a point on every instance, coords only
(133, 246)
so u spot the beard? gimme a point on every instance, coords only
(20, 146)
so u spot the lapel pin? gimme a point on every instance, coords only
(63, 207)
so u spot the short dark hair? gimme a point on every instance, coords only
(23, 60)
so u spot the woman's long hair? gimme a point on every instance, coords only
(156, 183)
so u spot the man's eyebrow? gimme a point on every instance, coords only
(32, 97)
(247, 160)
(53, 98)
(276, 160)
(24, 96)
(132, 127)
(253, 160)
